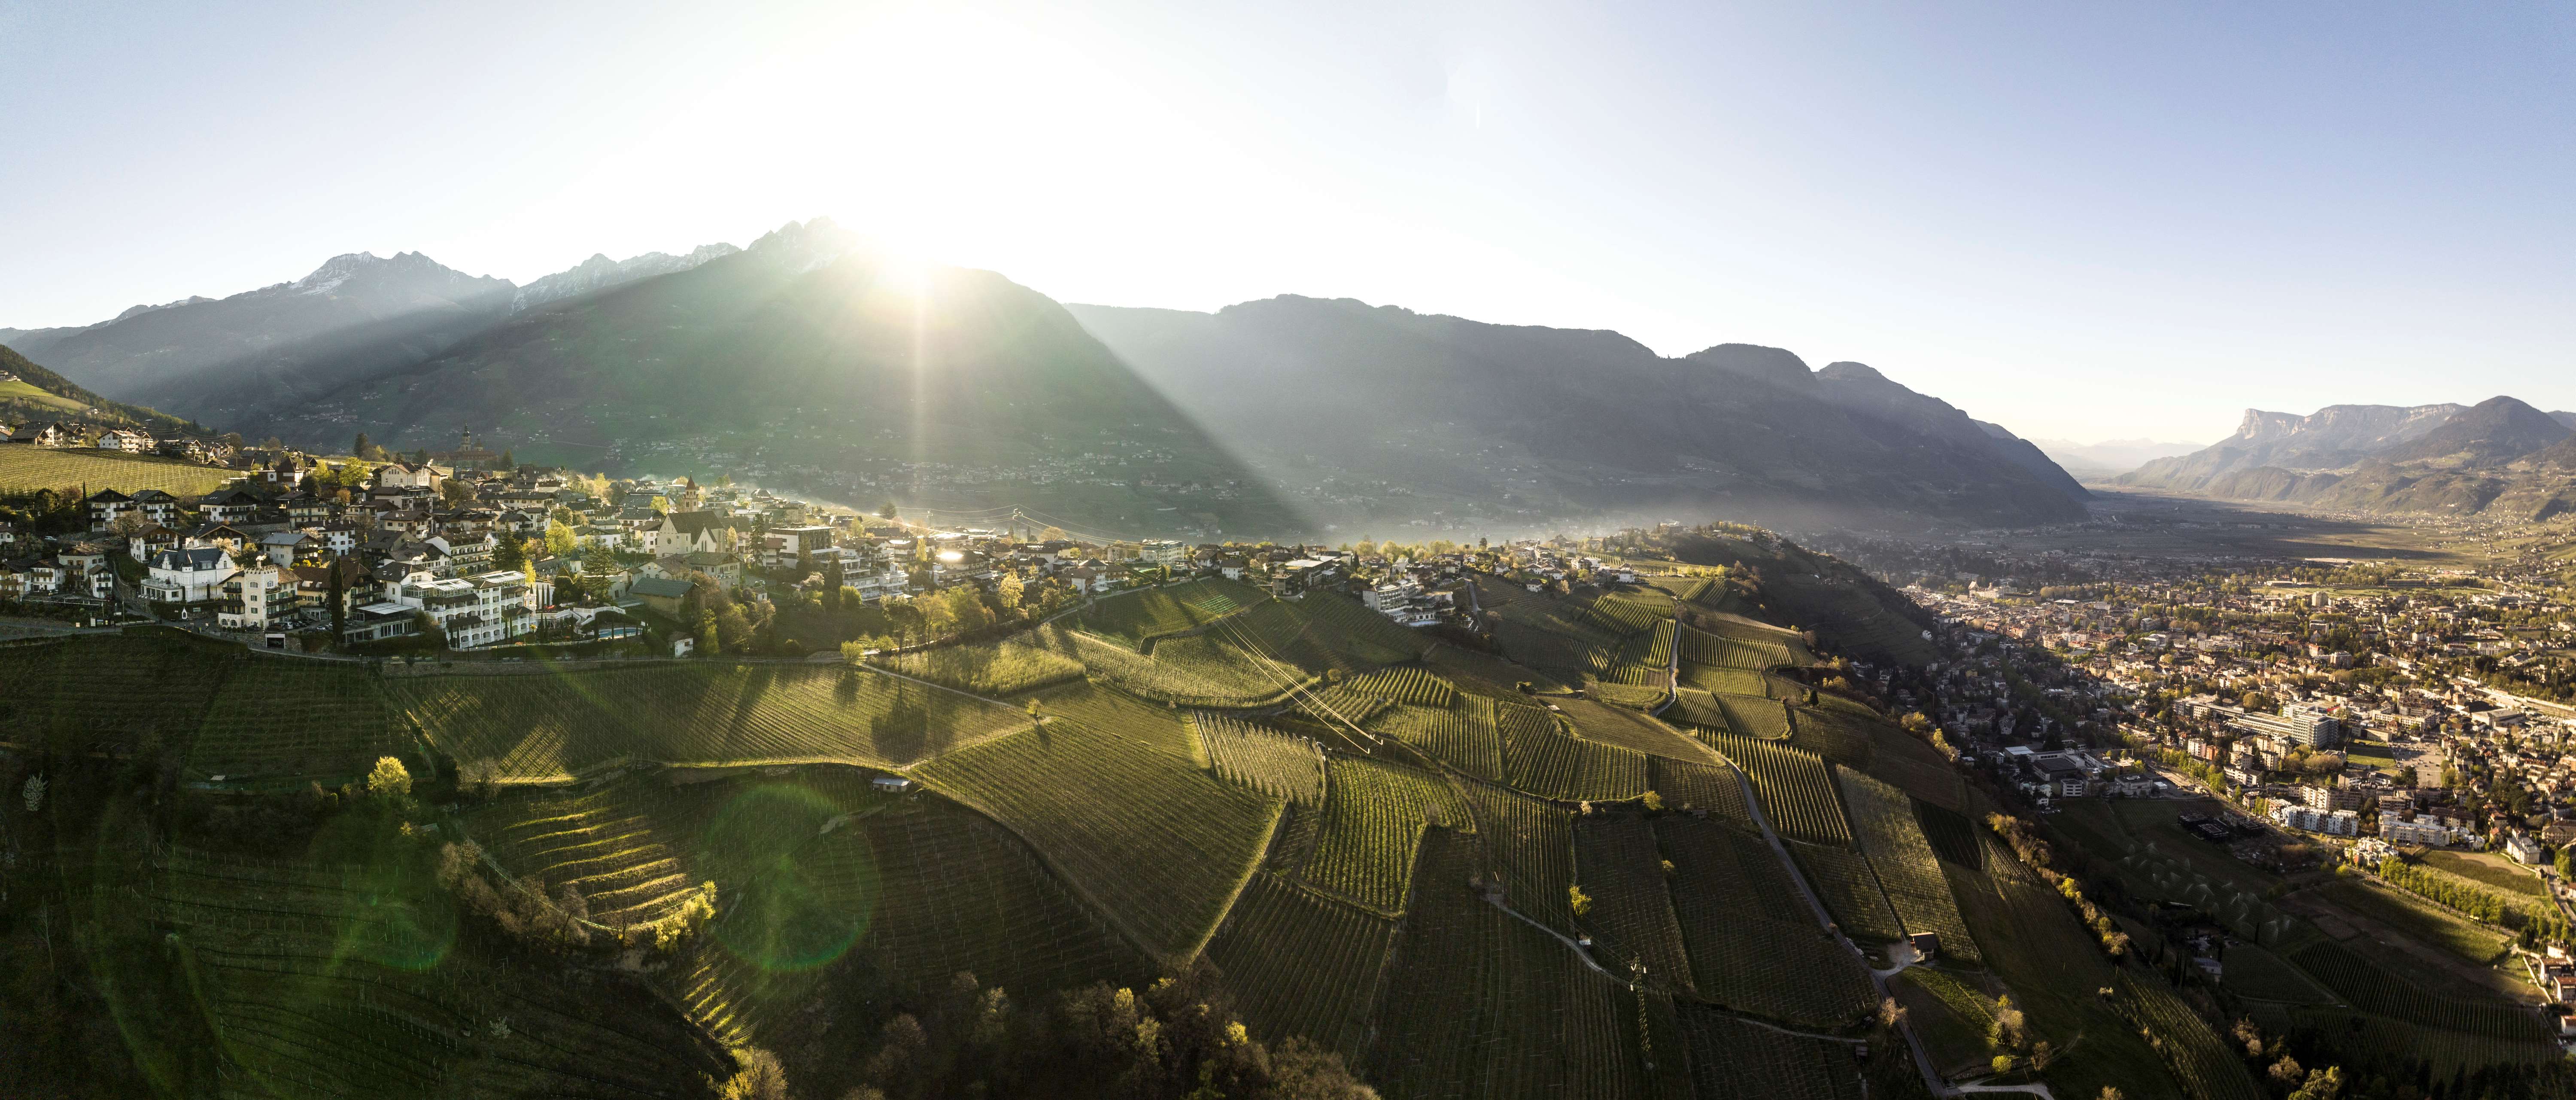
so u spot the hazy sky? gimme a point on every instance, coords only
(2083, 221)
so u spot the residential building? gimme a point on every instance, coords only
(193, 574)
(473, 611)
(261, 597)
(2523, 849)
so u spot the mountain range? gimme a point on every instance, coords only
(810, 361)
(2500, 457)
(1541, 418)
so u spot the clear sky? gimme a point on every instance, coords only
(2084, 221)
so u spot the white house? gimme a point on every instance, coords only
(193, 574)
(409, 475)
(129, 442)
(479, 610)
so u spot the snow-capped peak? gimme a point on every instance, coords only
(599, 273)
(335, 271)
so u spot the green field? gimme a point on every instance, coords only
(1543, 760)
(2373, 989)
(2205, 1064)
(546, 725)
(1754, 945)
(2056, 970)
(26, 469)
(1151, 841)
(1528, 850)
(1734, 1060)
(1882, 819)
(129, 691)
(1465, 736)
(1840, 736)
(1006, 667)
(1632, 909)
(2261, 975)
(319, 977)
(1796, 790)
(1481, 1004)
(2488, 870)
(1200, 670)
(1949, 1015)
(1300, 963)
(2419, 920)
(1374, 814)
(1135, 619)
(1265, 760)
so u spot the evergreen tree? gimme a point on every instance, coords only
(339, 596)
(359, 448)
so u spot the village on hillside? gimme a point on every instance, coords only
(466, 550)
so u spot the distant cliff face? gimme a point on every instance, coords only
(2500, 457)
(2333, 437)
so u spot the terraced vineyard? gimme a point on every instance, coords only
(1722, 680)
(2448, 1053)
(603, 844)
(1849, 889)
(1796, 790)
(1411, 684)
(1711, 787)
(542, 726)
(1882, 820)
(26, 469)
(1755, 717)
(1695, 709)
(1486, 674)
(1480, 1004)
(1147, 838)
(2204, 1063)
(1325, 630)
(954, 892)
(1632, 911)
(1609, 725)
(1915, 767)
(1754, 945)
(1644, 659)
(2257, 974)
(1196, 671)
(1626, 613)
(338, 980)
(1529, 850)
(1007, 667)
(117, 691)
(285, 716)
(1742, 648)
(1339, 707)
(2372, 989)
(1543, 761)
(1734, 1060)
(1135, 619)
(1280, 765)
(1464, 737)
(1299, 963)
(1843, 738)
(1118, 714)
(1374, 815)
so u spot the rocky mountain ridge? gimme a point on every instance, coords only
(2502, 456)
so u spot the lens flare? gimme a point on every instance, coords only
(799, 886)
